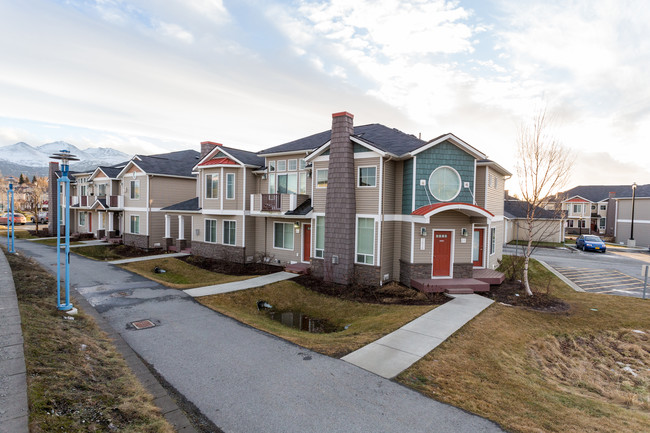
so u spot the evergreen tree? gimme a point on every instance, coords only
(34, 179)
(21, 179)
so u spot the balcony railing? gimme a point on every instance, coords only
(271, 202)
(276, 202)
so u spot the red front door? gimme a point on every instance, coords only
(477, 247)
(441, 254)
(306, 243)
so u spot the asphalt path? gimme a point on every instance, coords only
(616, 272)
(245, 380)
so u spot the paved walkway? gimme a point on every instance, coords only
(13, 380)
(243, 379)
(397, 351)
(251, 283)
(145, 258)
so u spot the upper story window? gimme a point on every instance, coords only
(577, 208)
(135, 190)
(288, 183)
(282, 165)
(101, 189)
(302, 164)
(593, 207)
(293, 165)
(444, 183)
(302, 187)
(321, 178)
(603, 207)
(271, 165)
(83, 190)
(211, 186)
(230, 186)
(367, 177)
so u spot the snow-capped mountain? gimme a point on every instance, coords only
(23, 154)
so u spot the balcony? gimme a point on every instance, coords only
(276, 203)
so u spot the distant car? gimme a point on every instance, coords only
(18, 218)
(42, 218)
(590, 243)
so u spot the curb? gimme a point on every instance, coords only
(14, 412)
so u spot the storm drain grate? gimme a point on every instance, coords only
(143, 324)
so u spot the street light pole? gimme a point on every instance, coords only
(633, 199)
(65, 156)
(10, 193)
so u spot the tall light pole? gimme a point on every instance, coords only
(632, 225)
(12, 237)
(65, 157)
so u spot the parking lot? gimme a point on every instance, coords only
(608, 281)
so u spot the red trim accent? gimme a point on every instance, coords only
(212, 142)
(577, 200)
(218, 161)
(430, 208)
(343, 113)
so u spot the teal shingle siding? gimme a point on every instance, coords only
(407, 188)
(450, 155)
(359, 148)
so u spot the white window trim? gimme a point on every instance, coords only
(272, 166)
(278, 165)
(234, 186)
(292, 232)
(289, 162)
(131, 183)
(359, 176)
(85, 219)
(223, 234)
(205, 185)
(316, 178)
(216, 231)
(300, 176)
(131, 217)
(374, 242)
(460, 184)
(493, 241)
(315, 235)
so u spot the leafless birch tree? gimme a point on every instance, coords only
(543, 168)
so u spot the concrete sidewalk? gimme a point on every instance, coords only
(397, 351)
(14, 414)
(240, 285)
(145, 258)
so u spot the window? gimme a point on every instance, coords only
(302, 187)
(603, 207)
(493, 240)
(320, 237)
(444, 183)
(288, 183)
(271, 165)
(135, 190)
(282, 165)
(365, 240)
(293, 165)
(230, 186)
(582, 224)
(101, 189)
(321, 178)
(229, 232)
(602, 223)
(272, 184)
(283, 236)
(302, 164)
(569, 223)
(211, 231)
(82, 190)
(211, 186)
(135, 224)
(367, 177)
(82, 218)
(577, 208)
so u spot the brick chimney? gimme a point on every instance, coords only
(341, 208)
(52, 201)
(612, 194)
(207, 146)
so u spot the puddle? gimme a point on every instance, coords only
(298, 320)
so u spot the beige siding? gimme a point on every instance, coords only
(450, 220)
(250, 237)
(480, 186)
(404, 231)
(388, 250)
(282, 256)
(211, 203)
(156, 229)
(127, 221)
(166, 191)
(319, 197)
(238, 202)
(495, 196)
(199, 223)
(139, 202)
(389, 187)
(252, 184)
(493, 258)
(367, 198)
(543, 230)
(399, 182)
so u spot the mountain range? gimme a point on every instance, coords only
(33, 161)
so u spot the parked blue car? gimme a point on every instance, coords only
(590, 243)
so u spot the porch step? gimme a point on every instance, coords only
(429, 285)
(459, 291)
(489, 276)
(297, 268)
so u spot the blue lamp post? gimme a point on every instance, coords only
(65, 157)
(10, 200)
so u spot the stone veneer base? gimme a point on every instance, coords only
(218, 251)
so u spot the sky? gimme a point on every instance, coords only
(149, 76)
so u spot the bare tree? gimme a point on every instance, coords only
(35, 197)
(543, 169)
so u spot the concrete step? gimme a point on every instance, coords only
(459, 291)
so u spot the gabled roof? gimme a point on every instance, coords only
(110, 171)
(577, 199)
(515, 209)
(191, 205)
(239, 156)
(596, 193)
(167, 164)
(494, 165)
(386, 139)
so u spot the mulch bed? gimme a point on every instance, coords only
(513, 293)
(230, 268)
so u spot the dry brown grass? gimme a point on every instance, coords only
(524, 369)
(77, 381)
(179, 275)
(368, 322)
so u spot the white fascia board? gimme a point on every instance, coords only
(213, 152)
(455, 140)
(317, 151)
(127, 167)
(494, 166)
(292, 152)
(370, 147)
(576, 196)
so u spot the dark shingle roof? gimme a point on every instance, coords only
(519, 209)
(248, 158)
(174, 163)
(596, 193)
(111, 171)
(187, 205)
(382, 137)
(303, 209)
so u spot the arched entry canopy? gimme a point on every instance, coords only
(471, 210)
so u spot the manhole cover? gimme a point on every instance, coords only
(143, 324)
